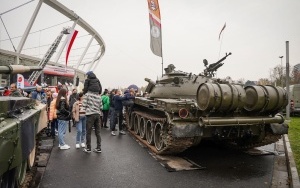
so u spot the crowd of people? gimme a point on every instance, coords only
(88, 110)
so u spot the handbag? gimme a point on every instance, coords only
(69, 116)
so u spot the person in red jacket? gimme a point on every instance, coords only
(6, 91)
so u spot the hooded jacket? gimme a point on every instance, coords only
(92, 84)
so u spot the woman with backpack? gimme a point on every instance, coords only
(63, 117)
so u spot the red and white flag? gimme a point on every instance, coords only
(155, 27)
(71, 38)
(222, 30)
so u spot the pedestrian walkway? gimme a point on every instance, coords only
(116, 166)
(125, 163)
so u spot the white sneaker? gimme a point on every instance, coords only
(113, 133)
(77, 146)
(83, 145)
(58, 145)
(122, 132)
(65, 147)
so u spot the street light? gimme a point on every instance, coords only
(281, 71)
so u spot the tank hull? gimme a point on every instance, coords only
(21, 120)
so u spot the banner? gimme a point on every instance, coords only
(58, 71)
(155, 27)
(71, 38)
(20, 81)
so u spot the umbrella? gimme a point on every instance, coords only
(134, 87)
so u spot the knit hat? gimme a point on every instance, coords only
(89, 72)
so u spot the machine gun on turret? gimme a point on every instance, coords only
(210, 69)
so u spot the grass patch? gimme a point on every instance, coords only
(294, 137)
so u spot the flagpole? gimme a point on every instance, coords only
(162, 57)
(162, 65)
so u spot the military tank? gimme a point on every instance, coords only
(184, 108)
(21, 119)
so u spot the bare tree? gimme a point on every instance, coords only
(241, 81)
(278, 75)
(264, 81)
(295, 76)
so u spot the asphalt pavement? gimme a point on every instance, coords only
(125, 163)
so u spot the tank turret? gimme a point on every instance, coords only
(184, 108)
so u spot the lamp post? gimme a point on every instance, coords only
(281, 74)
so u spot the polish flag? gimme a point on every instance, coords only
(71, 38)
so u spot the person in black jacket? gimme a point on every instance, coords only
(112, 106)
(63, 117)
(118, 112)
(92, 84)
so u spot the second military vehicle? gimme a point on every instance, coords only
(184, 108)
(21, 119)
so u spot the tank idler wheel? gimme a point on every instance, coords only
(158, 137)
(149, 132)
(136, 124)
(21, 172)
(143, 127)
(8, 179)
(131, 121)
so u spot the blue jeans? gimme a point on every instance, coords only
(81, 130)
(112, 118)
(116, 117)
(62, 128)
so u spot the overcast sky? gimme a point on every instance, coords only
(255, 33)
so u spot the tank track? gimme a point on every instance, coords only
(173, 145)
(269, 139)
(44, 145)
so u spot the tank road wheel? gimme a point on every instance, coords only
(21, 172)
(149, 132)
(158, 137)
(8, 179)
(131, 122)
(136, 124)
(31, 158)
(143, 128)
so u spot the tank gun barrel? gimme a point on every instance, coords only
(15, 69)
(214, 66)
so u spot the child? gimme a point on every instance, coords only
(80, 121)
